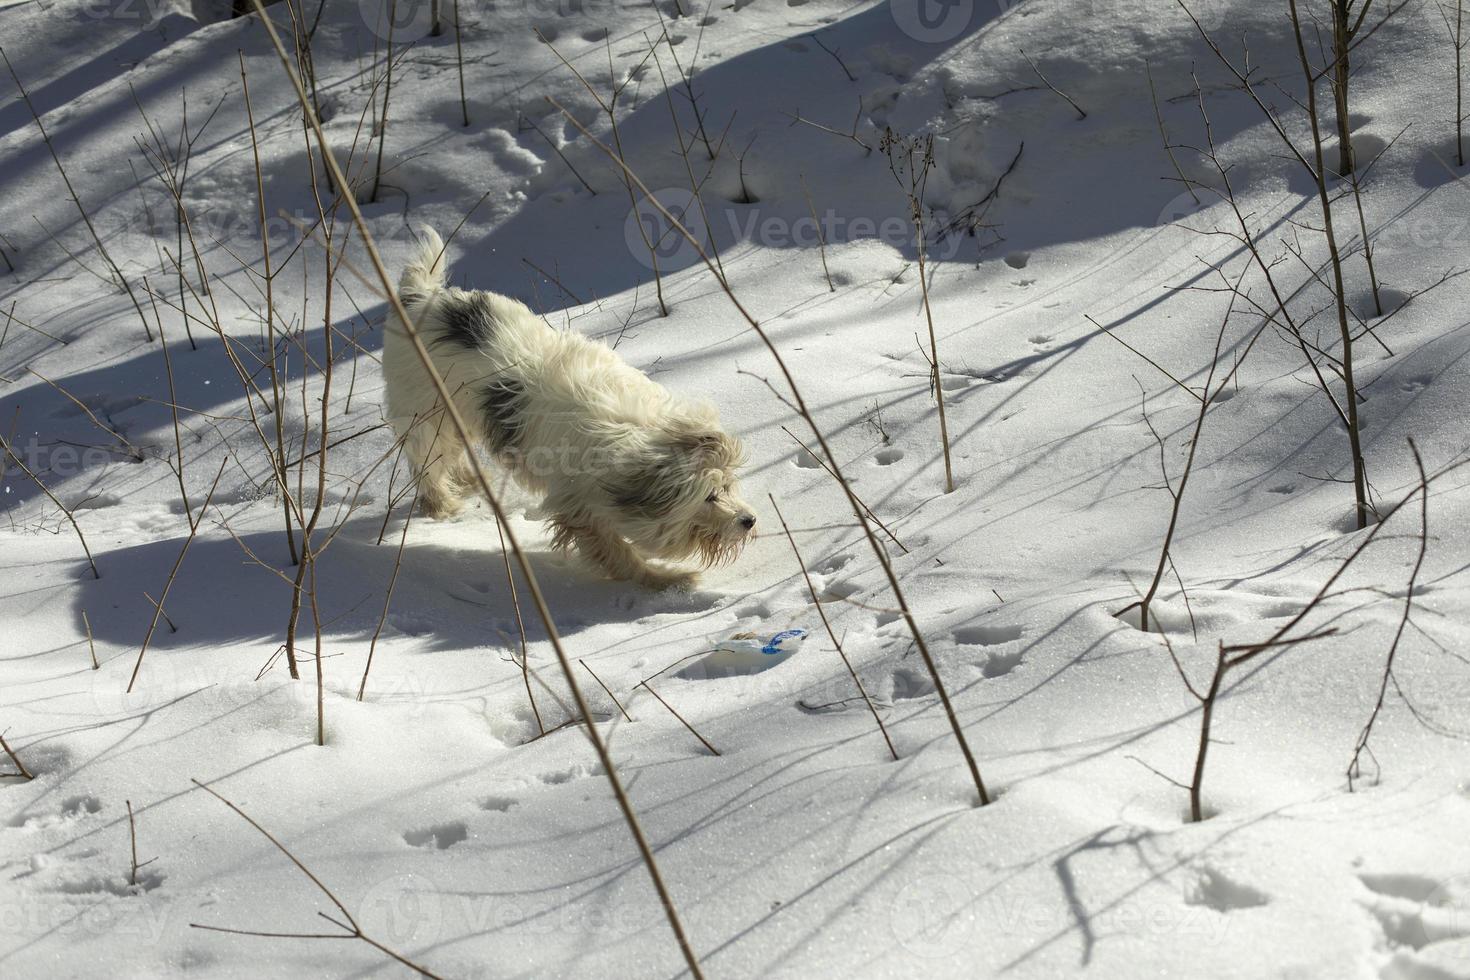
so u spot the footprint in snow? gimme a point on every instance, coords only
(411, 625)
(439, 837)
(806, 460)
(1212, 889)
(1419, 911)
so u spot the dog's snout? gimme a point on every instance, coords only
(747, 521)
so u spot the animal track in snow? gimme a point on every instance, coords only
(887, 457)
(1000, 664)
(1018, 260)
(1416, 383)
(910, 683)
(841, 589)
(499, 804)
(77, 806)
(562, 776)
(1214, 890)
(989, 635)
(1417, 911)
(806, 460)
(439, 837)
(833, 564)
(411, 625)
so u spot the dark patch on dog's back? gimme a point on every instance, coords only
(501, 404)
(465, 322)
(649, 488)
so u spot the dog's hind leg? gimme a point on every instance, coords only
(618, 559)
(438, 463)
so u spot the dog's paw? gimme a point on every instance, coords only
(441, 508)
(663, 580)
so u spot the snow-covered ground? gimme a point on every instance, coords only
(465, 843)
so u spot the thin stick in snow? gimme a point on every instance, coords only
(702, 740)
(826, 623)
(21, 769)
(52, 497)
(350, 928)
(173, 573)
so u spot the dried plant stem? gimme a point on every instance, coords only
(279, 456)
(132, 845)
(866, 509)
(1354, 766)
(1080, 113)
(1176, 493)
(9, 451)
(121, 280)
(828, 625)
(20, 767)
(464, 104)
(910, 161)
(173, 574)
(527, 572)
(388, 593)
(626, 716)
(702, 740)
(387, 93)
(91, 647)
(350, 928)
(1164, 134)
(1230, 657)
(821, 238)
(132, 450)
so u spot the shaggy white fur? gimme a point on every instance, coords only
(628, 471)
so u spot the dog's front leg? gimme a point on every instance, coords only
(619, 560)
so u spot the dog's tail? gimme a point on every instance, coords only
(425, 271)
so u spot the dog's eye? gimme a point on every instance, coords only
(712, 497)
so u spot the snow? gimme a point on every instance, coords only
(463, 842)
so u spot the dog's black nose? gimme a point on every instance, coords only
(747, 521)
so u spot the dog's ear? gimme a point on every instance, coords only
(656, 473)
(702, 443)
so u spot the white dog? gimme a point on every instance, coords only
(627, 471)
